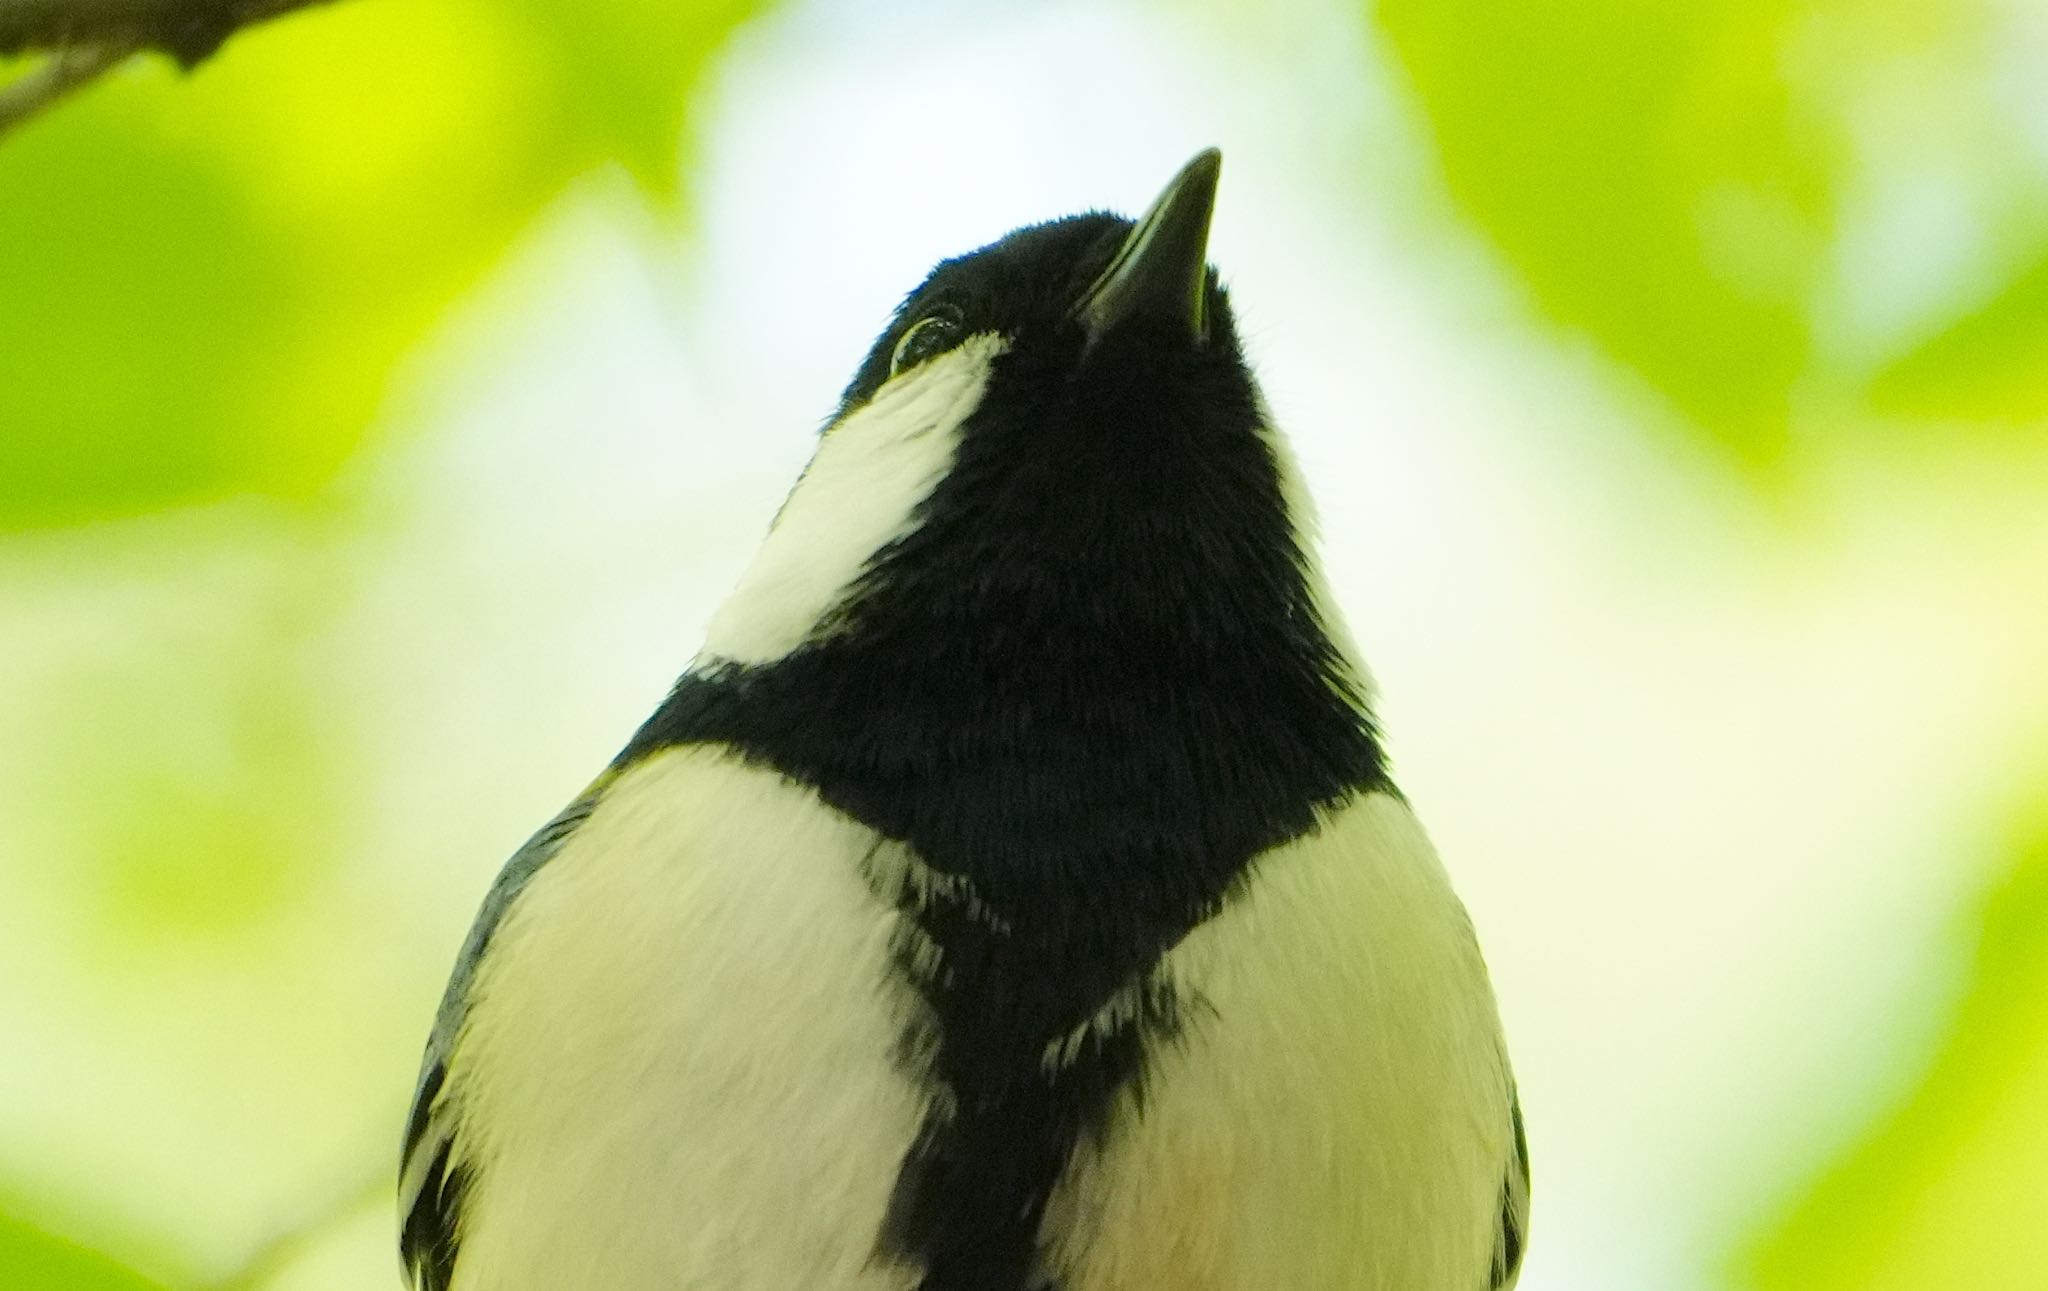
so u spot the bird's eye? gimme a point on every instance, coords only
(933, 334)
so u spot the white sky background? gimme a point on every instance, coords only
(1698, 767)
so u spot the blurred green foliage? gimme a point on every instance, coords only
(32, 1259)
(209, 279)
(1592, 138)
(1672, 181)
(1991, 364)
(1948, 1193)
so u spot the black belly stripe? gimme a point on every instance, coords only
(971, 1195)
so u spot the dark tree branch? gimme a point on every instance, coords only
(57, 75)
(187, 30)
(84, 38)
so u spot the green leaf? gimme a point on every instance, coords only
(1638, 167)
(1947, 1192)
(1991, 364)
(208, 280)
(31, 1258)
(622, 70)
(108, 302)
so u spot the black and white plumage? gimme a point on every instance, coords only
(1012, 895)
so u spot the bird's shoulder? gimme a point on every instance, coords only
(430, 1182)
(696, 904)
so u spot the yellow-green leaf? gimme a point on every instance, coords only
(31, 1258)
(206, 281)
(1991, 364)
(1948, 1192)
(1639, 168)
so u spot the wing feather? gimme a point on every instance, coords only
(1513, 1232)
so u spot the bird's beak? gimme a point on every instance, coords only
(1160, 273)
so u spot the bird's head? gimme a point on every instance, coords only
(1056, 439)
(1078, 299)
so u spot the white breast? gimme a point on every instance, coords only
(679, 1070)
(1337, 1117)
(682, 1067)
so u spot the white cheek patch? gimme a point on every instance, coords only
(860, 493)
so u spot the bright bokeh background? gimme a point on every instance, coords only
(384, 408)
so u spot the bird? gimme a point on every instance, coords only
(1012, 894)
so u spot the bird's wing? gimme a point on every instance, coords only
(1513, 1232)
(430, 1184)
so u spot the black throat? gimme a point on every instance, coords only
(1088, 690)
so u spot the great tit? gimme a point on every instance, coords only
(1012, 894)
